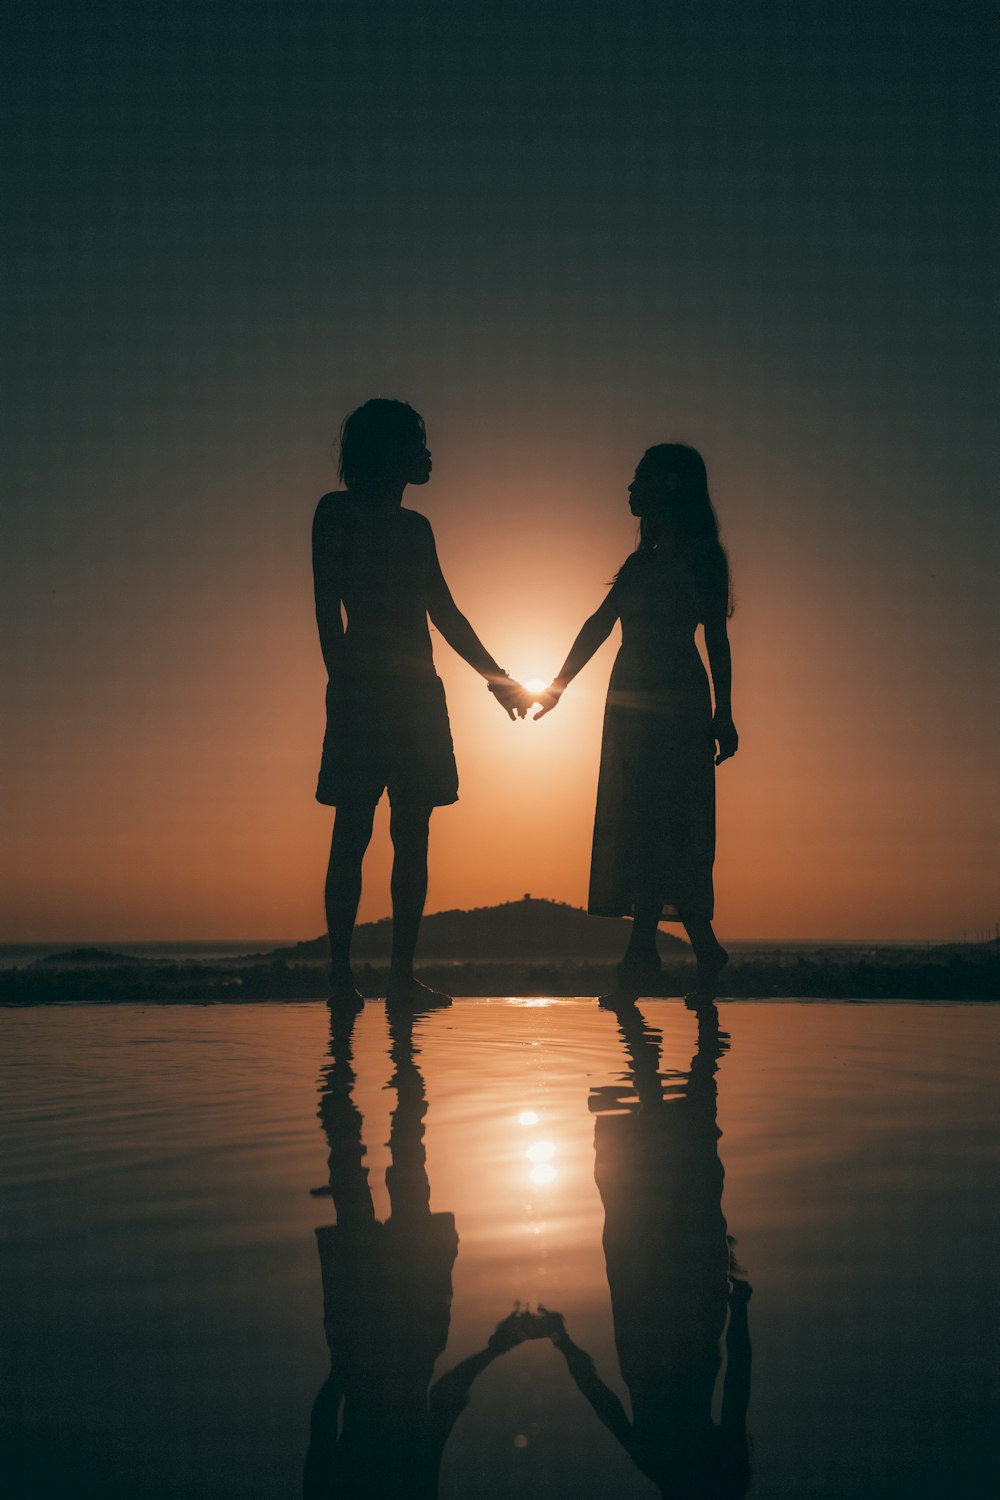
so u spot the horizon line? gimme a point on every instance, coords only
(291, 942)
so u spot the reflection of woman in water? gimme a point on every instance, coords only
(387, 723)
(654, 830)
(672, 1278)
(378, 1426)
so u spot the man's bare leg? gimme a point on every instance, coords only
(352, 831)
(409, 830)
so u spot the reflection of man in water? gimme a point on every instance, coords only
(376, 1428)
(671, 1274)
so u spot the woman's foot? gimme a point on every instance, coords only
(405, 991)
(640, 973)
(710, 966)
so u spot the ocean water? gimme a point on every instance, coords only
(512, 1247)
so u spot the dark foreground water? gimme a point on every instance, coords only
(516, 1248)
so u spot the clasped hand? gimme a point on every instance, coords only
(515, 699)
(523, 1324)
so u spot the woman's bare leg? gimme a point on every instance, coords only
(709, 953)
(642, 952)
(352, 831)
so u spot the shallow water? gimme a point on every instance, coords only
(183, 1186)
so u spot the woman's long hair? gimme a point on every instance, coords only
(689, 510)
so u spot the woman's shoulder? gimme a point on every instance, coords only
(417, 523)
(635, 567)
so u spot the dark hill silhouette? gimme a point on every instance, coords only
(516, 932)
(80, 958)
(963, 972)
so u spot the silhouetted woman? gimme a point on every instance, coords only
(654, 829)
(386, 718)
(676, 1291)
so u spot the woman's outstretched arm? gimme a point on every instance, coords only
(593, 633)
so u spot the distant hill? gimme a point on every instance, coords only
(85, 958)
(525, 947)
(516, 932)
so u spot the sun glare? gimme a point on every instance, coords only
(541, 1151)
(535, 684)
(541, 1176)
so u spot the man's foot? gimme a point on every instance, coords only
(344, 994)
(406, 992)
(622, 997)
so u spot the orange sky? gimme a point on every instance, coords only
(164, 790)
(572, 232)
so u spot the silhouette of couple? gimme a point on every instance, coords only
(381, 1421)
(375, 563)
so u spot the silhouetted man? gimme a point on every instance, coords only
(386, 718)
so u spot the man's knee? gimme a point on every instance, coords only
(352, 829)
(409, 826)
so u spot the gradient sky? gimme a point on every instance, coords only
(563, 231)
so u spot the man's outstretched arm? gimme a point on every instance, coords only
(457, 631)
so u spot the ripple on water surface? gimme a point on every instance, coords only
(182, 1185)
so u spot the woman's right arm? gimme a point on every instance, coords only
(720, 665)
(593, 633)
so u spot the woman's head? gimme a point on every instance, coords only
(671, 480)
(669, 495)
(383, 444)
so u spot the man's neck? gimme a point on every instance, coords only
(381, 497)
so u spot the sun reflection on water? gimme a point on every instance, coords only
(540, 1153)
(542, 1175)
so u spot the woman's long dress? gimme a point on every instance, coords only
(670, 1268)
(654, 828)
